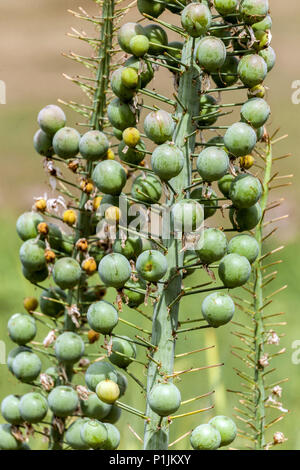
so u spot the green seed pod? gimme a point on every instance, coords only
(164, 399)
(139, 45)
(54, 236)
(175, 7)
(151, 7)
(255, 112)
(127, 32)
(32, 255)
(42, 143)
(187, 216)
(53, 308)
(211, 53)
(205, 437)
(135, 298)
(244, 245)
(226, 427)
(146, 188)
(51, 119)
(63, 401)
(151, 265)
(66, 273)
(130, 78)
(222, 33)
(234, 270)
(132, 155)
(21, 328)
(93, 145)
(10, 410)
(269, 56)
(33, 407)
(167, 161)
(207, 108)
(113, 437)
(176, 54)
(212, 163)
(120, 115)
(66, 142)
(245, 191)
(13, 353)
(228, 73)
(214, 246)
(102, 317)
(126, 350)
(122, 383)
(35, 276)
(130, 248)
(225, 183)
(252, 70)
(218, 309)
(114, 270)
(109, 176)
(263, 25)
(114, 415)
(226, 7)
(118, 87)
(26, 366)
(240, 139)
(245, 219)
(145, 71)
(69, 348)
(7, 440)
(158, 37)
(208, 198)
(253, 11)
(99, 371)
(196, 19)
(94, 434)
(27, 225)
(93, 407)
(73, 435)
(159, 126)
(67, 244)
(260, 133)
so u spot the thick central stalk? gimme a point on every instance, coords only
(165, 320)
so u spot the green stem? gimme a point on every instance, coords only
(165, 319)
(259, 334)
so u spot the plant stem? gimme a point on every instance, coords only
(165, 319)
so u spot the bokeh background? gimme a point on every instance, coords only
(32, 36)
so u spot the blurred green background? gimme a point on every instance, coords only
(32, 35)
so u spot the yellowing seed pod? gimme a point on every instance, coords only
(131, 136)
(30, 304)
(110, 155)
(41, 205)
(113, 215)
(69, 217)
(247, 162)
(89, 265)
(43, 228)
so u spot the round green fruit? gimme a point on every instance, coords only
(225, 183)
(27, 225)
(93, 145)
(253, 11)
(269, 56)
(13, 353)
(245, 191)
(228, 73)
(114, 270)
(151, 265)
(214, 246)
(130, 78)
(73, 435)
(226, 427)
(132, 155)
(134, 298)
(159, 126)
(151, 7)
(255, 112)
(244, 245)
(69, 347)
(263, 25)
(94, 434)
(205, 437)
(146, 188)
(63, 401)
(32, 255)
(95, 408)
(187, 216)
(234, 270)
(53, 308)
(139, 45)
(196, 19)
(108, 391)
(21, 328)
(164, 399)
(119, 88)
(102, 317)
(167, 161)
(226, 7)
(114, 415)
(127, 32)
(109, 176)
(42, 143)
(113, 437)
(7, 440)
(51, 119)
(208, 106)
(240, 139)
(211, 53)
(130, 248)
(26, 366)
(66, 273)
(252, 70)
(99, 371)
(120, 114)
(157, 38)
(33, 407)
(212, 164)
(245, 219)
(218, 309)
(146, 73)
(123, 351)
(66, 142)
(10, 410)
